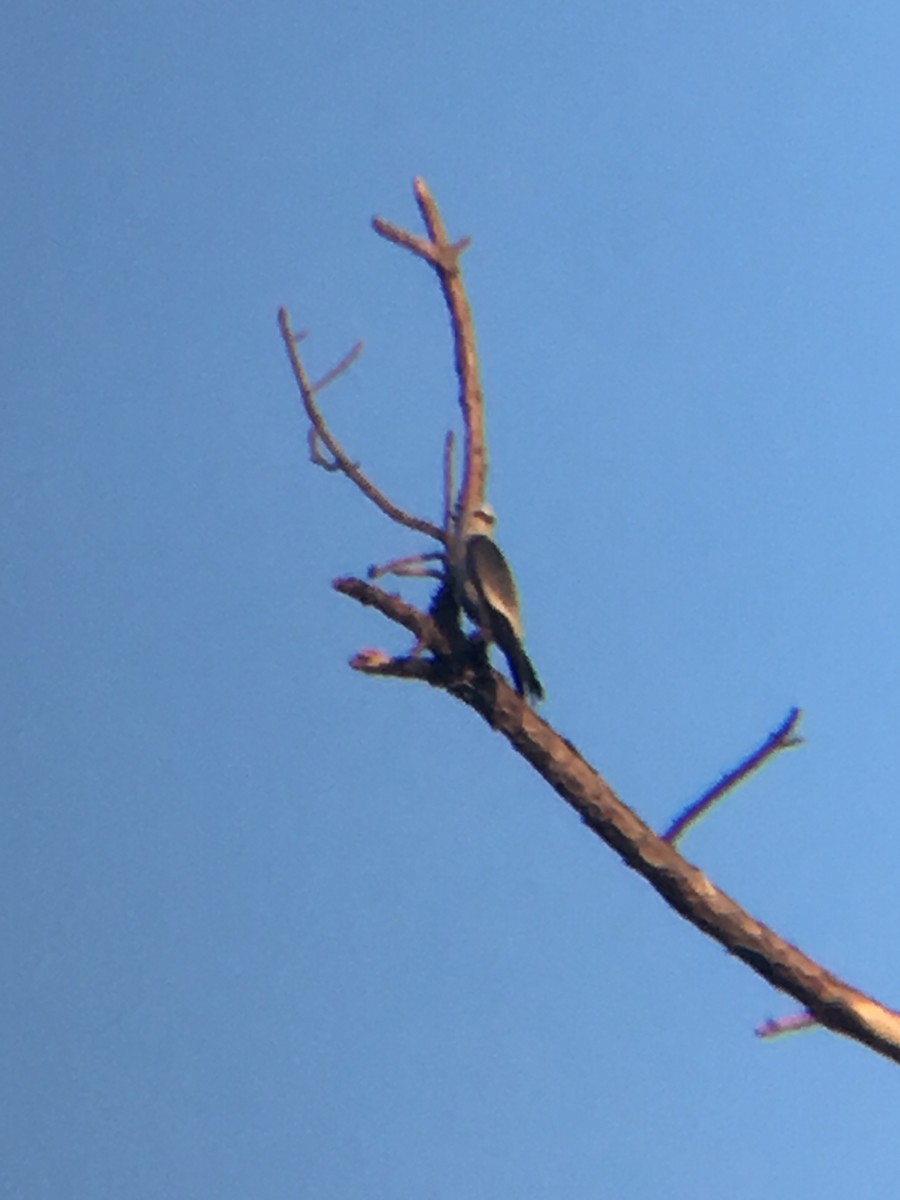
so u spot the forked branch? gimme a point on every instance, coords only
(444, 257)
(320, 432)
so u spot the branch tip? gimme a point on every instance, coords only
(779, 1026)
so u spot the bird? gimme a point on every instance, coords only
(484, 587)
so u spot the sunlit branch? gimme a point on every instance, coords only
(443, 256)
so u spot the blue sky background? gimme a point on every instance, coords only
(273, 929)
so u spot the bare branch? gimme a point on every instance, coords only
(423, 627)
(411, 566)
(776, 1027)
(409, 241)
(339, 460)
(783, 738)
(460, 666)
(444, 257)
(346, 362)
(375, 662)
(829, 1000)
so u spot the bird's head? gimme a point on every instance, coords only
(482, 520)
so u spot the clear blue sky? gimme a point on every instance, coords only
(271, 929)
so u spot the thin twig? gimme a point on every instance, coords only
(781, 739)
(346, 362)
(376, 662)
(411, 566)
(315, 452)
(339, 459)
(777, 1026)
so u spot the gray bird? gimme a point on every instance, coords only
(484, 586)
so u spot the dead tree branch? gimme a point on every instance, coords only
(410, 566)
(830, 1001)
(782, 738)
(442, 657)
(321, 433)
(778, 1026)
(444, 257)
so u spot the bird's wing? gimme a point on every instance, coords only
(489, 573)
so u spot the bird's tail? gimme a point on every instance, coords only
(524, 675)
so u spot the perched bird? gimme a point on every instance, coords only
(484, 586)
